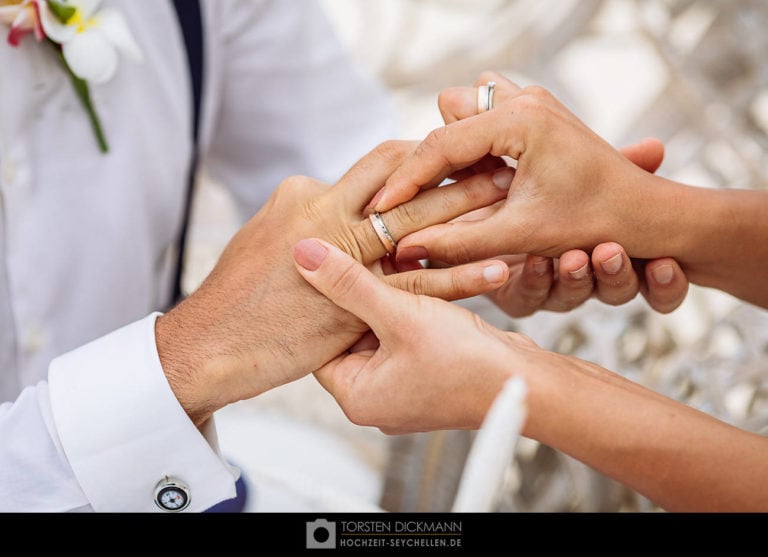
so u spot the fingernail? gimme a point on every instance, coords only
(411, 253)
(309, 254)
(493, 273)
(663, 274)
(502, 179)
(612, 265)
(580, 273)
(541, 265)
(375, 201)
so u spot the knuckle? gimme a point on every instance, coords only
(363, 243)
(356, 415)
(312, 209)
(296, 193)
(417, 283)
(474, 193)
(459, 250)
(537, 91)
(403, 217)
(392, 150)
(295, 184)
(533, 102)
(345, 282)
(533, 298)
(464, 283)
(663, 301)
(525, 340)
(566, 299)
(433, 139)
(616, 296)
(364, 414)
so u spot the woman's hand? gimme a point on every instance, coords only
(432, 365)
(426, 365)
(571, 189)
(563, 283)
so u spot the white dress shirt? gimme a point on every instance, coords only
(87, 240)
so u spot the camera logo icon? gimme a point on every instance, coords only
(321, 534)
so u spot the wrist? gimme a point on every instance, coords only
(182, 365)
(650, 216)
(728, 243)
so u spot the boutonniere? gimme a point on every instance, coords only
(86, 40)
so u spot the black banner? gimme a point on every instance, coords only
(390, 533)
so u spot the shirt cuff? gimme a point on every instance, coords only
(123, 430)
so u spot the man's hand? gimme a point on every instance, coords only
(255, 324)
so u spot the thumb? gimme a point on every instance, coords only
(648, 154)
(346, 282)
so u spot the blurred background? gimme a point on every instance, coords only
(690, 73)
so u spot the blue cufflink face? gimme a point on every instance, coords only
(172, 495)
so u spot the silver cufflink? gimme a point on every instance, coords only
(172, 495)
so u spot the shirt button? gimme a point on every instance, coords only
(8, 172)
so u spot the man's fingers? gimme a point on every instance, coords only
(368, 175)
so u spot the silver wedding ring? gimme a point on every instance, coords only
(383, 233)
(485, 97)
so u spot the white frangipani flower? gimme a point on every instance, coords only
(91, 39)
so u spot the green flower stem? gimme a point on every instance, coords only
(84, 94)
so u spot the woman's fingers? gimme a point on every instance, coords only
(458, 103)
(434, 206)
(488, 163)
(528, 288)
(456, 242)
(457, 146)
(352, 287)
(648, 154)
(544, 283)
(443, 152)
(617, 282)
(453, 283)
(575, 282)
(347, 283)
(665, 286)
